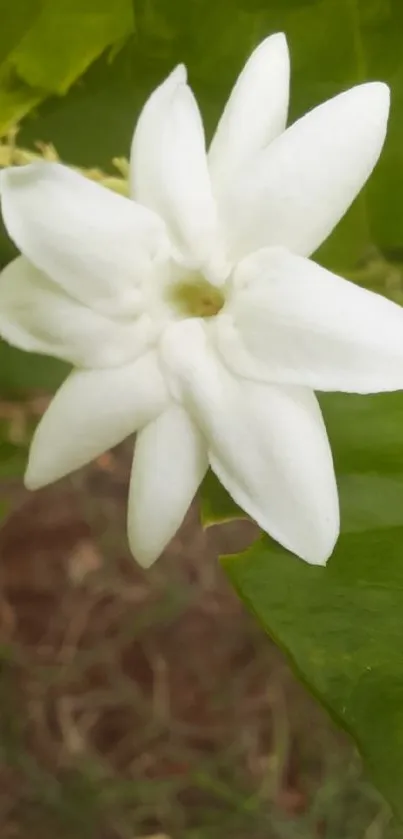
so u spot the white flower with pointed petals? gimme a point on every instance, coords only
(192, 313)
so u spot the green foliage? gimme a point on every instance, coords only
(342, 626)
(22, 373)
(45, 46)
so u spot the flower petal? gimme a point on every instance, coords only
(256, 111)
(267, 444)
(91, 412)
(170, 462)
(169, 171)
(37, 316)
(97, 245)
(298, 189)
(298, 323)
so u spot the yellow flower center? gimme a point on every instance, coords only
(195, 297)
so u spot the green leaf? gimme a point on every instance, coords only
(16, 100)
(16, 19)
(69, 35)
(46, 46)
(342, 626)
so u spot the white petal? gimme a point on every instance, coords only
(169, 171)
(298, 189)
(256, 111)
(91, 412)
(298, 323)
(97, 245)
(37, 316)
(170, 462)
(267, 444)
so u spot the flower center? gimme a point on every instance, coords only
(195, 297)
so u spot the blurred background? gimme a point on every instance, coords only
(140, 704)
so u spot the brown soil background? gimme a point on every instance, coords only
(145, 703)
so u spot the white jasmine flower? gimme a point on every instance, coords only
(192, 313)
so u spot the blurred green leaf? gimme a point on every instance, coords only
(22, 374)
(45, 46)
(13, 460)
(16, 99)
(16, 19)
(67, 37)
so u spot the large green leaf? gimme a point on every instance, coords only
(342, 629)
(342, 626)
(45, 46)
